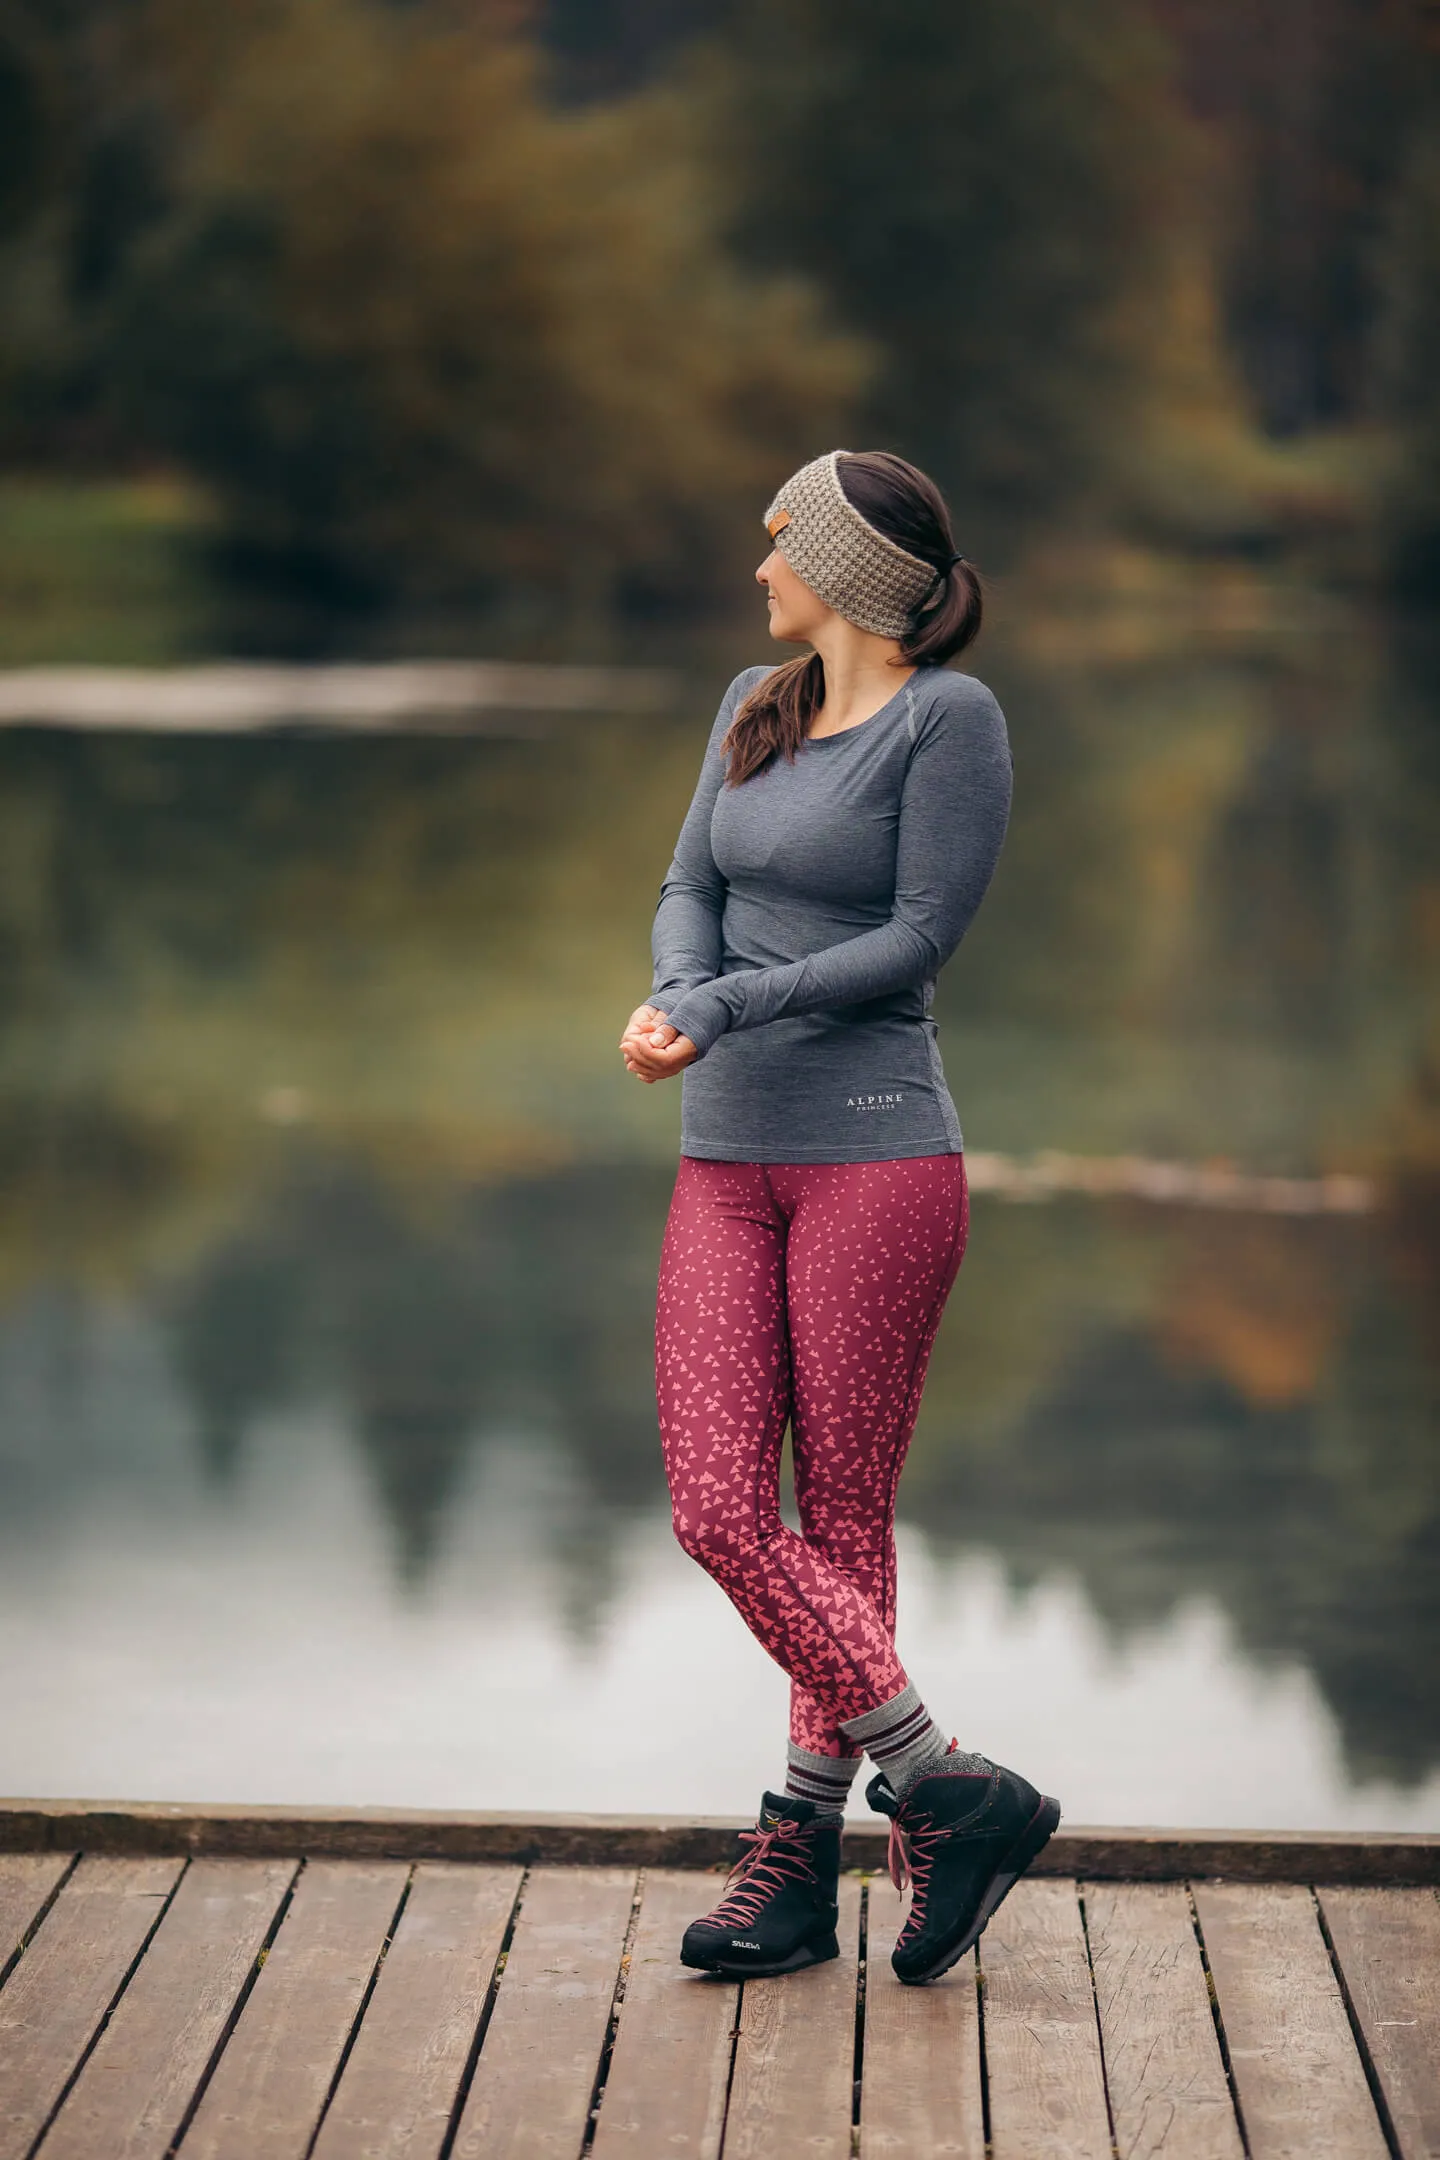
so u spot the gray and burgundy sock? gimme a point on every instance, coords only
(823, 1780)
(902, 1739)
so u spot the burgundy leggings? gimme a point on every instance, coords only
(809, 1292)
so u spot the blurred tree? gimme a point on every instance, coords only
(89, 175)
(452, 319)
(424, 337)
(1408, 372)
(25, 125)
(983, 188)
(1315, 103)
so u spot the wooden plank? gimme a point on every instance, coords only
(793, 2085)
(1042, 2043)
(399, 2087)
(671, 2064)
(922, 2051)
(66, 1982)
(533, 2083)
(1168, 2089)
(1299, 2080)
(26, 1881)
(272, 2080)
(131, 2097)
(1388, 1944)
(680, 1841)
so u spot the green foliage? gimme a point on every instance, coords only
(425, 337)
(103, 572)
(980, 186)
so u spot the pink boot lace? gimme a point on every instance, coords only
(911, 1857)
(777, 1855)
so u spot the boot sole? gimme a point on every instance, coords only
(1027, 1847)
(808, 1954)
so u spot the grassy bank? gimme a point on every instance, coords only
(107, 573)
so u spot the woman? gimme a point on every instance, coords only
(849, 814)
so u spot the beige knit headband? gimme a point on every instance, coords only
(843, 559)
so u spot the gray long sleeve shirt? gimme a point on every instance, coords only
(804, 920)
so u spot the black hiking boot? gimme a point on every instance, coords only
(779, 1909)
(963, 1837)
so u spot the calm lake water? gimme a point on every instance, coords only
(328, 1461)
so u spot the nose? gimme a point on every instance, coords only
(762, 574)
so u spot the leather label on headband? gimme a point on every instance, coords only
(778, 523)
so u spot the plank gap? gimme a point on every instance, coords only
(980, 2048)
(862, 1967)
(363, 2006)
(1214, 1995)
(730, 2072)
(235, 2010)
(612, 2023)
(1357, 2033)
(93, 2042)
(28, 1933)
(472, 2060)
(1099, 2023)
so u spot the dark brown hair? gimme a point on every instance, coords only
(903, 503)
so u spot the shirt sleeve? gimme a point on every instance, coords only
(687, 937)
(954, 807)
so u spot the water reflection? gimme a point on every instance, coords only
(521, 1305)
(310, 1127)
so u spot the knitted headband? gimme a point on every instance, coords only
(843, 559)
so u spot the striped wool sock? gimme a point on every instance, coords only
(904, 1741)
(823, 1779)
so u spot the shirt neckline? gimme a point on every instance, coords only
(859, 727)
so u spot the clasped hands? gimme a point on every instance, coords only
(652, 1049)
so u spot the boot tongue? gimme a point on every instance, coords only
(881, 1795)
(777, 1808)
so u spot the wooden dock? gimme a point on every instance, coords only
(233, 1984)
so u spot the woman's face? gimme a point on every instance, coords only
(796, 613)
